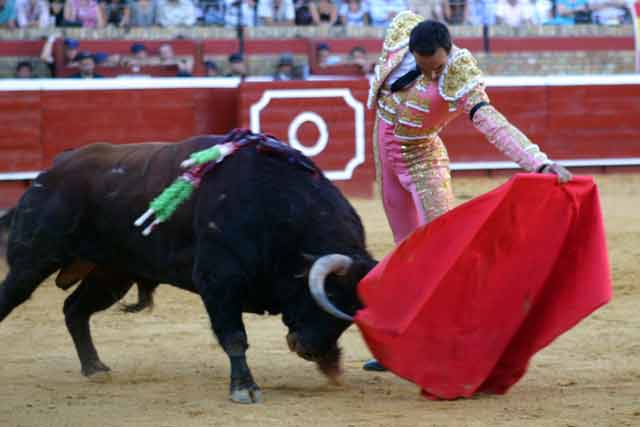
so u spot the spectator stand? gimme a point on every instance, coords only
(341, 48)
(182, 49)
(14, 51)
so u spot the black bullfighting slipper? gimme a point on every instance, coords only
(374, 365)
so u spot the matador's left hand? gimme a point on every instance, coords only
(563, 173)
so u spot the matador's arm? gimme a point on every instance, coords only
(501, 133)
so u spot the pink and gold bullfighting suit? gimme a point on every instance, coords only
(411, 161)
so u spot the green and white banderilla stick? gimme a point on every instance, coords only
(181, 189)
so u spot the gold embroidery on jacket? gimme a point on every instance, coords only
(460, 76)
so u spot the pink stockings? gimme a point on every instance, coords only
(415, 180)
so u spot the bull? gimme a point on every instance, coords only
(266, 232)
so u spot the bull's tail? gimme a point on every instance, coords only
(145, 297)
(5, 224)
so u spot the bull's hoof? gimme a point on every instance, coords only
(96, 371)
(246, 395)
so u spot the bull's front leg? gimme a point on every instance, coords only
(224, 307)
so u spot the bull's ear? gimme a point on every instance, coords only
(307, 262)
(309, 259)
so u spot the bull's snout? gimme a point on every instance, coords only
(296, 346)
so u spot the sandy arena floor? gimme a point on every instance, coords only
(169, 371)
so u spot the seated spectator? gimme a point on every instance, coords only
(609, 12)
(284, 68)
(481, 12)
(276, 12)
(358, 56)
(383, 11)
(513, 13)
(354, 13)
(7, 13)
(303, 12)
(456, 12)
(323, 12)
(87, 12)
(175, 13)
(24, 70)
(211, 11)
(324, 57)
(166, 57)
(86, 66)
(211, 69)
(139, 51)
(240, 11)
(32, 14)
(541, 11)
(116, 12)
(70, 53)
(102, 58)
(237, 66)
(570, 12)
(143, 13)
(56, 13)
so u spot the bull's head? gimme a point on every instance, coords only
(332, 283)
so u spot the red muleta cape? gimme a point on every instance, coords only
(463, 303)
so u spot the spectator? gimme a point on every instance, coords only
(609, 12)
(284, 68)
(541, 11)
(32, 14)
(323, 12)
(167, 57)
(481, 12)
(24, 70)
(56, 13)
(358, 56)
(354, 13)
(139, 51)
(383, 11)
(303, 15)
(102, 58)
(143, 13)
(86, 66)
(87, 12)
(174, 13)
(211, 69)
(569, 12)
(116, 12)
(70, 53)
(513, 13)
(7, 13)
(276, 12)
(324, 57)
(240, 11)
(211, 11)
(456, 12)
(237, 66)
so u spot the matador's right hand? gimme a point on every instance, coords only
(563, 173)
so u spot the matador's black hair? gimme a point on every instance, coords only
(428, 36)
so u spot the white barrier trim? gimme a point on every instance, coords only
(18, 176)
(118, 83)
(631, 161)
(128, 83)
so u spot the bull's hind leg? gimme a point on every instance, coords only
(20, 284)
(98, 291)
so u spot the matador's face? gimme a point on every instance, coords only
(432, 66)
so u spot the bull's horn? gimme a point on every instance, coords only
(334, 263)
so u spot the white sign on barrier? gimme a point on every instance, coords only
(312, 117)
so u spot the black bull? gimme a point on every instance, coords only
(261, 234)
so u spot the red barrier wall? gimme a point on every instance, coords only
(568, 122)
